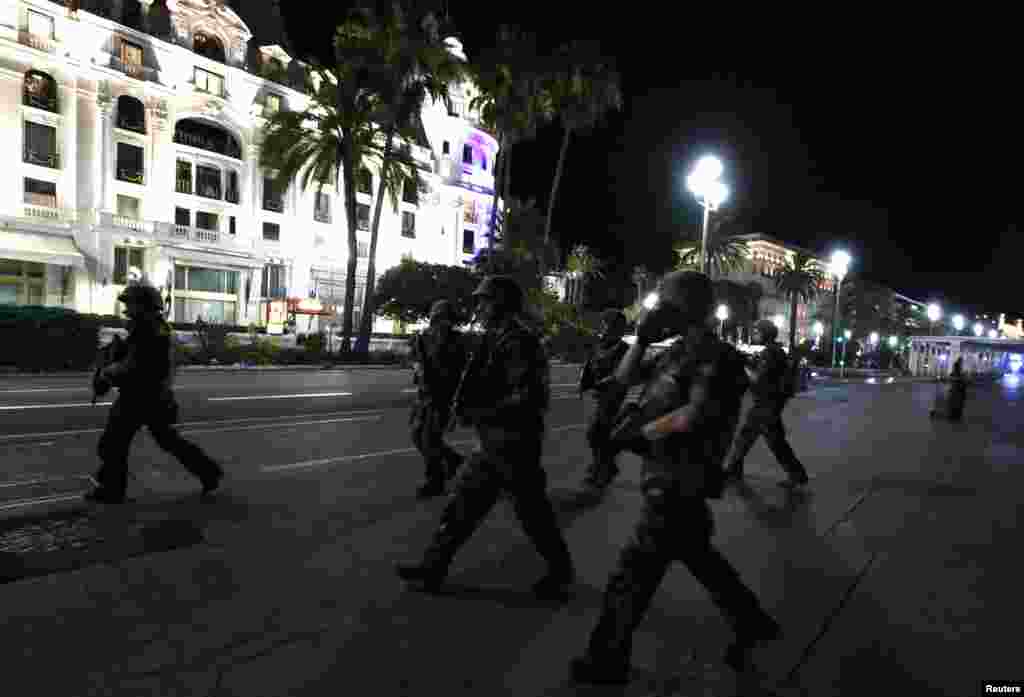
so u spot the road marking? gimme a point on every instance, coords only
(41, 501)
(279, 396)
(277, 426)
(49, 389)
(53, 406)
(44, 480)
(309, 464)
(410, 389)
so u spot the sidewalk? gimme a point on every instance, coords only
(895, 574)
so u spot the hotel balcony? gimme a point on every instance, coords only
(37, 42)
(139, 72)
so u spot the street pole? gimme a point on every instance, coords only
(835, 321)
(704, 238)
(721, 329)
(842, 363)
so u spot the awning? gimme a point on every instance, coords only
(183, 255)
(40, 248)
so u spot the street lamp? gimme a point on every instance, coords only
(978, 329)
(934, 315)
(838, 267)
(873, 338)
(893, 341)
(993, 334)
(819, 329)
(722, 313)
(650, 301)
(842, 364)
(958, 323)
(704, 184)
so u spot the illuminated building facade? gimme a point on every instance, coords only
(132, 132)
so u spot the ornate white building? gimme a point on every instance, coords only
(132, 128)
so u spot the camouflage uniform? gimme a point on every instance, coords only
(765, 416)
(601, 365)
(680, 470)
(505, 400)
(440, 359)
(144, 378)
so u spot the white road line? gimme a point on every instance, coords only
(79, 388)
(53, 406)
(409, 389)
(44, 480)
(41, 501)
(279, 396)
(279, 426)
(309, 464)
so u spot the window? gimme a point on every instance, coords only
(41, 145)
(40, 25)
(468, 241)
(128, 207)
(274, 284)
(203, 280)
(231, 195)
(207, 221)
(182, 216)
(211, 311)
(362, 249)
(467, 154)
(231, 225)
(208, 182)
(22, 282)
(129, 163)
(365, 182)
(272, 106)
(362, 216)
(322, 208)
(198, 134)
(446, 148)
(209, 82)
(470, 214)
(483, 162)
(272, 200)
(208, 46)
(40, 193)
(408, 224)
(409, 192)
(131, 54)
(40, 91)
(183, 177)
(272, 232)
(131, 115)
(126, 258)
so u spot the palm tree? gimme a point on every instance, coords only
(580, 267)
(798, 281)
(408, 64)
(583, 89)
(512, 101)
(333, 135)
(725, 255)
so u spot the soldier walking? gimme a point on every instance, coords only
(504, 394)
(144, 377)
(690, 395)
(599, 367)
(439, 356)
(769, 377)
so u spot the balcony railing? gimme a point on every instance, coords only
(139, 72)
(126, 222)
(276, 205)
(231, 196)
(203, 235)
(40, 43)
(183, 186)
(48, 214)
(44, 159)
(130, 175)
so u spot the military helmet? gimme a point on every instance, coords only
(613, 318)
(688, 291)
(145, 295)
(767, 328)
(504, 289)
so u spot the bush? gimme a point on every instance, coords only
(314, 344)
(36, 338)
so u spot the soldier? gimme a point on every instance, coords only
(439, 356)
(504, 393)
(769, 378)
(691, 394)
(600, 366)
(144, 377)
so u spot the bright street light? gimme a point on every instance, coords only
(993, 334)
(650, 301)
(893, 341)
(934, 312)
(978, 329)
(873, 338)
(779, 321)
(722, 313)
(711, 193)
(848, 334)
(959, 322)
(838, 267)
(819, 329)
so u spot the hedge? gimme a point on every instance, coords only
(36, 338)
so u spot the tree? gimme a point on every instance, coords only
(332, 136)
(522, 252)
(727, 253)
(581, 266)
(583, 88)
(406, 292)
(798, 281)
(407, 63)
(512, 101)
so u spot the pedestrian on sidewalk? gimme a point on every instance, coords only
(439, 357)
(504, 393)
(771, 386)
(693, 396)
(601, 365)
(957, 391)
(144, 377)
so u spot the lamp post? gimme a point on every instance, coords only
(842, 364)
(838, 267)
(819, 329)
(934, 315)
(722, 313)
(710, 192)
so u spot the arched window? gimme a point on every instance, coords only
(208, 46)
(131, 115)
(40, 91)
(207, 136)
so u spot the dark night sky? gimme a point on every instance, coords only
(864, 136)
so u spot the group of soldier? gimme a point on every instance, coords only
(682, 427)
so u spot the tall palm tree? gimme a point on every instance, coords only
(725, 255)
(583, 88)
(798, 281)
(513, 101)
(581, 266)
(332, 136)
(408, 65)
